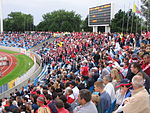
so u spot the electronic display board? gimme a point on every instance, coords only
(100, 15)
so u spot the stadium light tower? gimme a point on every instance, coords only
(1, 17)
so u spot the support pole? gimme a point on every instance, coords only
(1, 17)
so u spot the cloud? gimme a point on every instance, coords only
(39, 7)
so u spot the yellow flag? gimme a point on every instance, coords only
(134, 8)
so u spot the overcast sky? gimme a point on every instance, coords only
(39, 7)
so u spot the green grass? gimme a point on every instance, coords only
(7, 51)
(24, 63)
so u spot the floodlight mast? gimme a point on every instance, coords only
(1, 17)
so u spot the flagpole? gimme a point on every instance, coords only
(123, 19)
(1, 17)
(132, 14)
(148, 24)
(136, 26)
(128, 20)
(137, 20)
(141, 26)
(132, 18)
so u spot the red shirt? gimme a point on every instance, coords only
(70, 99)
(63, 110)
(146, 68)
(84, 71)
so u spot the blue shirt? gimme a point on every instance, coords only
(105, 102)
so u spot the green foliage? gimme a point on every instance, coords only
(61, 21)
(126, 22)
(18, 21)
(85, 26)
(24, 63)
(145, 8)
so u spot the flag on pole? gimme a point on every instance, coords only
(136, 9)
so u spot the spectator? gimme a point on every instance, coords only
(86, 105)
(139, 102)
(84, 71)
(105, 100)
(114, 73)
(33, 98)
(66, 105)
(95, 99)
(104, 71)
(122, 93)
(109, 88)
(146, 64)
(70, 96)
(80, 85)
(60, 106)
(42, 108)
(74, 88)
(50, 103)
(96, 58)
(136, 69)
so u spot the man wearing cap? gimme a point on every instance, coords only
(122, 93)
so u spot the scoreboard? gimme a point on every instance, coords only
(100, 15)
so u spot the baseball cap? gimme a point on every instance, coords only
(124, 82)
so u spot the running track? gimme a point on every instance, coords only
(12, 63)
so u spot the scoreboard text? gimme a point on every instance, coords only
(100, 15)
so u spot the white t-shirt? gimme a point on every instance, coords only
(75, 92)
(109, 88)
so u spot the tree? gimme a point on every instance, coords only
(145, 8)
(18, 21)
(126, 22)
(85, 26)
(61, 21)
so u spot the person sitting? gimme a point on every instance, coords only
(139, 102)
(105, 100)
(146, 64)
(122, 93)
(70, 96)
(95, 99)
(42, 108)
(136, 69)
(86, 105)
(109, 88)
(60, 106)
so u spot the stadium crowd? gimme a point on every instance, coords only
(88, 73)
(23, 40)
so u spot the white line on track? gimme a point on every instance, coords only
(9, 64)
(2, 66)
